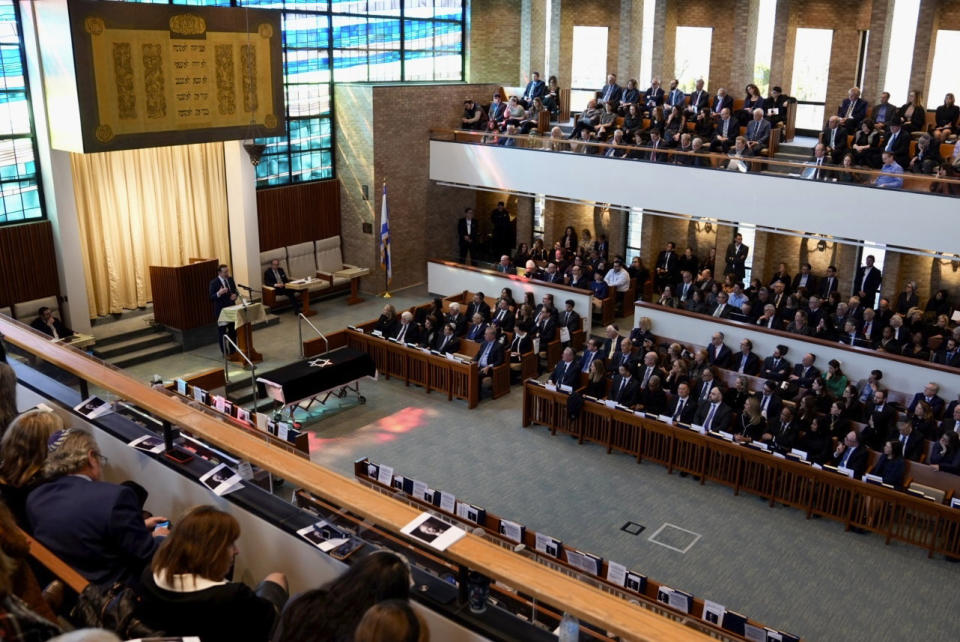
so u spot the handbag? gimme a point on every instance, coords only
(112, 608)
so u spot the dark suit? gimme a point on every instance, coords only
(566, 374)
(504, 319)
(459, 323)
(937, 404)
(625, 391)
(687, 412)
(736, 260)
(784, 435)
(476, 332)
(773, 405)
(570, 320)
(221, 301)
(891, 470)
(855, 460)
(835, 142)
(494, 356)
(698, 390)
(719, 357)
(870, 286)
(534, 89)
(622, 358)
(718, 104)
(410, 333)
(811, 283)
(828, 285)
(859, 112)
(546, 330)
(609, 93)
(270, 280)
(520, 345)
(899, 145)
(751, 367)
(699, 100)
(805, 378)
(773, 370)
(884, 424)
(95, 527)
(669, 263)
(448, 343)
(947, 358)
(509, 269)
(62, 330)
(728, 130)
(467, 240)
(721, 417)
(482, 308)
(652, 98)
(912, 445)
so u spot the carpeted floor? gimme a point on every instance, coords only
(807, 577)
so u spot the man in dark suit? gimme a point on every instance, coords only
(745, 362)
(683, 408)
(649, 369)
(467, 234)
(718, 354)
(705, 386)
(883, 111)
(489, 356)
(949, 354)
(775, 105)
(699, 98)
(50, 325)
(567, 371)
(776, 367)
(96, 527)
(478, 328)
(497, 109)
(720, 102)
(223, 293)
(552, 274)
(834, 136)
(505, 266)
(275, 277)
(478, 305)
(736, 257)
(851, 336)
(713, 414)
(504, 318)
(852, 110)
(933, 399)
(898, 143)
(407, 331)
(725, 132)
(867, 282)
(449, 341)
(653, 97)
(952, 422)
(624, 355)
(804, 279)
(610, 93)
(850, 454)
(625, 387)
(829, 283)
(545, 327)
(782, 431)
(590, 354)
(536, 88)
(723, 310)
(577, 278)
(758, 133)
(675, 97)
(805, 372)
(770, 403)
(569, 318)
(666, 267)
(458, 319)
(881, 420)
(910, 440)
(869, 327)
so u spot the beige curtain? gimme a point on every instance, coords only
(143, 207)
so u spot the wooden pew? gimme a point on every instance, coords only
(501, 373)
(63, 571)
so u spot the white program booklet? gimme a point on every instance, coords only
(433, 531)
(148, 444)
(93, 407)
(221, 480)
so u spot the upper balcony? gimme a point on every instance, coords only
(774, 196)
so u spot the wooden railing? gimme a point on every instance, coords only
(894, 514)
(629, 621)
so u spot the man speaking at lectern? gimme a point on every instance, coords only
(223, 293)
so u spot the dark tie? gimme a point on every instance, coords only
(679, 408)
(623, 384)
(403, 333)
(444, 344)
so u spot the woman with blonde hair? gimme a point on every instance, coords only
(23, 452)
(392, 621)
(185, 590)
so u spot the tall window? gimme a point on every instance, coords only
(634, 232)
(899, 52)
(766, 14)
(347, 41)
(646, 43)
(19, 179)
(943, 76)
(589, 68)
(811, 66)
(692, 56)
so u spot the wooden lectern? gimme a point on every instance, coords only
(180, 294)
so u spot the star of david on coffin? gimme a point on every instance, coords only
(319, 363)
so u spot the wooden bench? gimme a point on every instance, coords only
(501, 373)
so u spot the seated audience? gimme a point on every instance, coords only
(724, 132)
(94, 526)
(567, 370)
(652, 397)
(852, 110)
(387, 322)
(625, 387)
(407, 331)
(477, 328)
(713, 414)
(926, 159)
(186, 591)
(945, 120)
(815, 440)
(474, 118)
(596, 380)
(946, 453)
(782, 431)
(333, 611)
(912, 113)
(851, 455)
(834, 137)
(866, 145)
(883, 112)
(890, 168)
(910, 441)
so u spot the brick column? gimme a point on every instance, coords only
(881, 18)
(538, 36)
(526, 43)
(664, 40)
(784, 41)
(552, 64)
(745, 43)
(923, 46)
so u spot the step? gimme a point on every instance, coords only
(125, 336)
(108, 350)
(148, 354)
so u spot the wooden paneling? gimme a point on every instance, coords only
(180, 294)
(28, 263)
(298, 213)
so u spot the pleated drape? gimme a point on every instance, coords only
(143, 207)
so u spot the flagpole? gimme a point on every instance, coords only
(388, 250)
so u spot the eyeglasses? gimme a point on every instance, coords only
(101, 458)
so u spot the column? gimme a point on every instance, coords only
(923, 46)
(784, 41)
(881, 18)
(241, 181)
(526, 42)
(745, 37)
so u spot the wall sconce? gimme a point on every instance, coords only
(707, 226)
(821, 246)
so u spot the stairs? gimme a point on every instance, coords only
(137, 346)
(792, 153)
(240, 391)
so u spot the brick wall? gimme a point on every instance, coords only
(929, 273)
(594, 13)
(494, 42)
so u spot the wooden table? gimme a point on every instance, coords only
(354, 274)
(303, 287)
